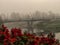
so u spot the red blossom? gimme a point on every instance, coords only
(3, 26)
(1, 32)
(6, 34)
(12, 40)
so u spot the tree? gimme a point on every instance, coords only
(15, 16)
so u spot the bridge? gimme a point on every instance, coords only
(29, 22)
(26, 20)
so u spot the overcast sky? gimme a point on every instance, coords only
(24, 6)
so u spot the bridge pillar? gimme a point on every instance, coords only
(29, 26)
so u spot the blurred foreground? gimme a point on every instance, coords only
(16, 37)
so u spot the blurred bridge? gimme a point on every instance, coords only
(30, 22)
(26, 20)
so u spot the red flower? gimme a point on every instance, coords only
(6, 34)
(51, 41)
(38, 39)
(12, 40)
(35, 42)
(19, 32)
(1, 32)
(43, 40)
(5, 43)
(3, 26)
(13, 32)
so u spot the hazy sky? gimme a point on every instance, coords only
(24, 6)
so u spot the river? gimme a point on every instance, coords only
(10, 25)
